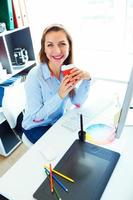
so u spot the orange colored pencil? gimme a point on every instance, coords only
(51, 179)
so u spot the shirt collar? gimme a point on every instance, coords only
(47, 73)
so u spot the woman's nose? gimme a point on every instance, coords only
(57, 49)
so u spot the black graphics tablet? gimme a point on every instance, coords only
(89, 165)
(3, 197)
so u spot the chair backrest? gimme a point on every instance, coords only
(13, 103)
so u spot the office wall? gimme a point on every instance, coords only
(101, 29)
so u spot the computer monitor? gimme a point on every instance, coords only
(125, 106)
(109, 123)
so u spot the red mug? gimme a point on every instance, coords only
(66, 69)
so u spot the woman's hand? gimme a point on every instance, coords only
(69, 81)
(78, 74)
(67, 84)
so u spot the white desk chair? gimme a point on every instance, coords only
(13, 104)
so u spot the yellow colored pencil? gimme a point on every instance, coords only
(62, 175)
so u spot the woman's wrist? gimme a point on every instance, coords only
(87, 76)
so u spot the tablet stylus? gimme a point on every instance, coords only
(81, 133)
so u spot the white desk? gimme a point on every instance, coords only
(21, 181)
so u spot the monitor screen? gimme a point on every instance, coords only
(125, 106)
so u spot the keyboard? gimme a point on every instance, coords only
(103, 97)
(71, 120)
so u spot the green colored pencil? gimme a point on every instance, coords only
(56, 192)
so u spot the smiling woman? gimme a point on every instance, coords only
(47, 89)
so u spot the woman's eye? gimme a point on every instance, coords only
(63, 44)
(49, 45)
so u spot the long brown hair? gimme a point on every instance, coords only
(55, 27)
(42, 55)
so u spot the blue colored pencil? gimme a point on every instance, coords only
(58, 181)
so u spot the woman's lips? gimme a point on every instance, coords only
(57, 57)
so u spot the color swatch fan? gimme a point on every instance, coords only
(100, 134)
